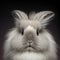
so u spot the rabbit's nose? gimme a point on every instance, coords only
(30, 33)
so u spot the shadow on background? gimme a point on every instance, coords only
(6, 21)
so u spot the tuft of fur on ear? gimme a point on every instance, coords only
(31, 15)
(18, 16)
(44, 17)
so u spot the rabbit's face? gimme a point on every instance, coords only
(30, 33)
(29, 40)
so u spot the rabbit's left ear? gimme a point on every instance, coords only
(18, 16)
(44, 17)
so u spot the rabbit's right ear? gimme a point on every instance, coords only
(44, 17)
(18, 16)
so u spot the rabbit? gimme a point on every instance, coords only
(29, 39)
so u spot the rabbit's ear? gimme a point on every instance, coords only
(44, 17)
(19, 15)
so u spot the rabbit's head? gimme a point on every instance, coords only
(31, 34)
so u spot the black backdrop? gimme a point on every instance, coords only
(6, 21)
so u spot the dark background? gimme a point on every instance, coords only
(6, 21)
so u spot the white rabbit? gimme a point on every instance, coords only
(29, 39)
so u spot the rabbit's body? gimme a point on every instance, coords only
(29, 40)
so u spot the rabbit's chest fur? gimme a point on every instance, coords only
(29, 56)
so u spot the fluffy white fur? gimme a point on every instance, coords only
(29, 40)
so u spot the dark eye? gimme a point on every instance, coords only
(21, 30)
(39, 31)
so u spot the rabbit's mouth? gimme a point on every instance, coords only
(29, 48)
(32, 48)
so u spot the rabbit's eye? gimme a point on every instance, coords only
(39, 31)
(21, 30)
